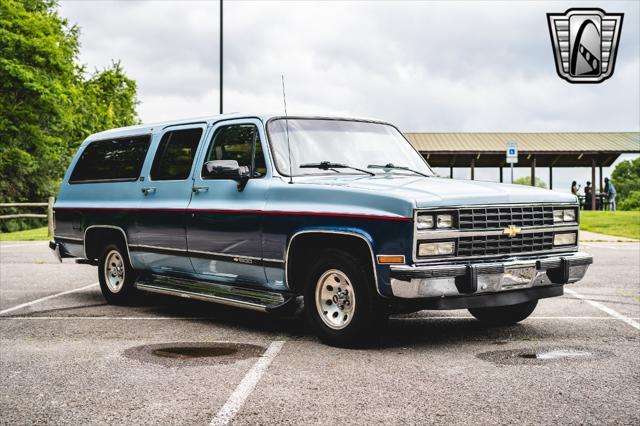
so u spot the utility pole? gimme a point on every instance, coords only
(220, 56)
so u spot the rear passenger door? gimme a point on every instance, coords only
(165, 194)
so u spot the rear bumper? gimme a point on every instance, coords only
(486, 279)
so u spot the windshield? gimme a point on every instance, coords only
(354, 143)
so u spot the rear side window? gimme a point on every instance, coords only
(175, 154)
(111, 160)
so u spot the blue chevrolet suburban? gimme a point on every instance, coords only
(256, 211)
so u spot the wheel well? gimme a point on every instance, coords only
(305, 247)
(95, 239)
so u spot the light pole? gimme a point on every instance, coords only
(220, 56)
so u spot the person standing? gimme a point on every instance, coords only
(574, 188)
(587, 196)
(610, 191)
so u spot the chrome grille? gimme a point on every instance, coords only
(501, 217)
(486, 245)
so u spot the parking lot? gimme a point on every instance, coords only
(67, 357)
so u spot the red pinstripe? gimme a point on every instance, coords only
(269, 212)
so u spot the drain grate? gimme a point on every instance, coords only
(193, 353)
(543, 355)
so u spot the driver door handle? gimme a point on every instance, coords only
(148, 190)
(197, 189)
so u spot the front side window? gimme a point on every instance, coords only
(365, 145)
(117, 160)
(240, 142)
(175, 154)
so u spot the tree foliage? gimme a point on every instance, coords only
(626, 180)
(526, 180)
(48, 102)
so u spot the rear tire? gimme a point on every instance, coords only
(504, 315)
(340, 300)
(116, 276)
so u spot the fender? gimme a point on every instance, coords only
(354, 232)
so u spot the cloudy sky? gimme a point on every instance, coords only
(425, 66)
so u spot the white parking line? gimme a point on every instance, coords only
(24, 305)
(609, 311)
(246, 386)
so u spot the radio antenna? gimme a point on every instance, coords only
(286, 123)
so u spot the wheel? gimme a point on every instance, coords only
(340, 300)
(504, 315)
(116, 276)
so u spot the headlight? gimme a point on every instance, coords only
(442, 248)
(569, 215)
(444, 221)
(425, 221)
(564, 239)
(558, 216)
(564, 215)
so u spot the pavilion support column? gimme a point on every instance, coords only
(601, 185)
(533, 171)
(451, 172)
(501, 180)
(473, 168)
(550, 177)
(593, 184)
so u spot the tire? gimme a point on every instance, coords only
(340, 300)
(504, 315)
(116, 276)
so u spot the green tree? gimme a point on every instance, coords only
(626, 179)
(48, 104)
(527, 181)
(630, 202)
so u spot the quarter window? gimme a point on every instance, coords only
(241, 143)
(117, 160)
(175, 154)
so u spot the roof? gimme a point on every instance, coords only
(621, 142)
(546, 149)
(149, 127)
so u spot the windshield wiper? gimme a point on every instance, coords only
(328, 165)
(391, 166)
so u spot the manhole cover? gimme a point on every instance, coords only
(539, 356)
(193, 353)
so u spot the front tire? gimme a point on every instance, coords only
(504, 315)
(340, 300)
(116, 276)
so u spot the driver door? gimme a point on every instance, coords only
(224, 228)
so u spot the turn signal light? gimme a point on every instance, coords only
(388, 259)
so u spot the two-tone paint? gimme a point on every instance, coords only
(208, 230)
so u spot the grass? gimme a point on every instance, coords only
(618, 223)
(36, 234)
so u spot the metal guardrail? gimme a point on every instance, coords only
(48, 215)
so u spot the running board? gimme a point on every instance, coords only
(258, 300)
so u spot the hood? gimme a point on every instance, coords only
(435, 192)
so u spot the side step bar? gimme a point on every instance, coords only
(258, 300)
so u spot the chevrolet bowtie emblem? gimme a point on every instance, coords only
(511, 231)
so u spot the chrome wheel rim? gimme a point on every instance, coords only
(335, 299)
(114, 271)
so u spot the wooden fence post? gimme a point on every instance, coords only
(50, 215)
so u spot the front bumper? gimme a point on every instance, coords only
(423, 282)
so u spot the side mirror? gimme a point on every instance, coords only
(226, 169)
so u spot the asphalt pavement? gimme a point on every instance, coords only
(66, 357)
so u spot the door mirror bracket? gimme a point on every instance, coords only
(227, 169)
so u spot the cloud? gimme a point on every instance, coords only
(425, 66)
(439, 66)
